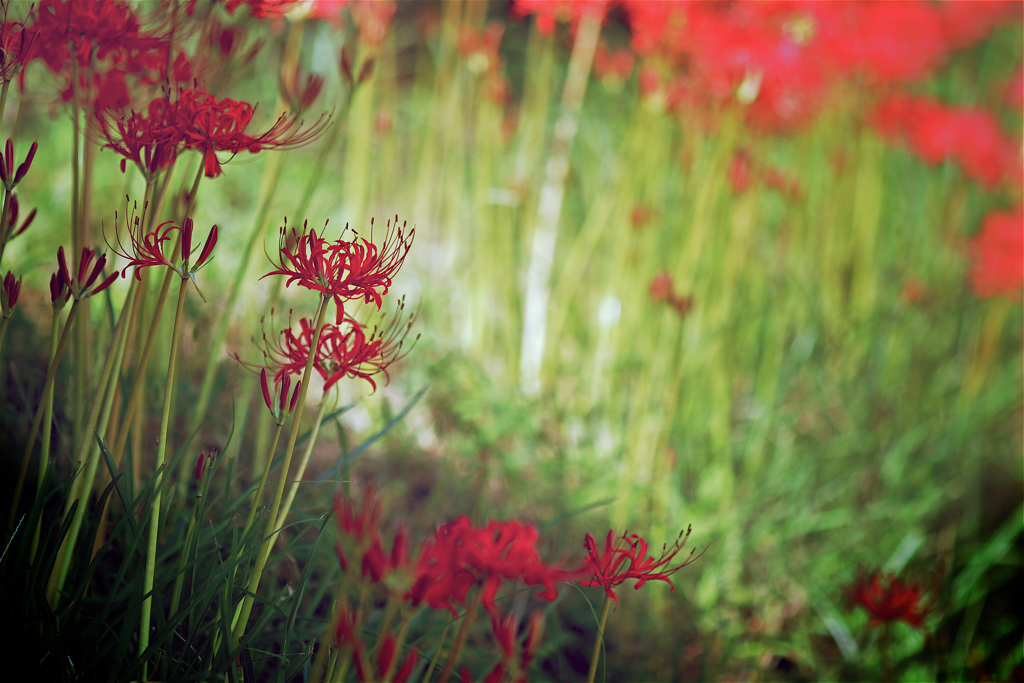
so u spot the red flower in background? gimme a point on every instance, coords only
(968, 135)
(81, 284)
(461, 556)
(887, 599)
(998, 255)
(9, 294)
(549, 12)
(619, 563)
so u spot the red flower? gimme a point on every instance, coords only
(17, 47)
(148, 250)
(9, 294)
(461, 556)
(81, 286)
(550, 11)
(998, 255)
(93, 28)
(359, 522)
(352, 353)
(342, 270)
(618, 564)
(10, 228)
(740, 171)
(887, 599)
(280, 407)
(8, 175)
(145, 139)
(209, 125)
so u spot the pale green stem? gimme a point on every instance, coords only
(287, 505)
(161, 451)
(467, 620)
(185, 550)
(263, 482)
(545, 234)
(37, 420)
(599, 640)
(270, 535)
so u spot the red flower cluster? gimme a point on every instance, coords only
(781, 59)
(343, 270)
(148, 249)
(887, 599)
(998, 255)
(461, 556)
(9, 294)
(198, 120)
(80, 285)
(968, 135)
(619, 563)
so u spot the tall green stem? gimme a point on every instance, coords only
(34, 431)
(460, 638)
(270, 535)
(287, 505)
(599, 640)
(161, 451)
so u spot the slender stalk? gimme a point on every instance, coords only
(3, 101)
(545, 234)
(3, 331)
(453, 656)
(437, 654)
(287, 505)
(44, 456)
(185, 551)
(270, 535)
(599, 640)
(263, 482)
(89, 451)
(161, 451)
(37, 420)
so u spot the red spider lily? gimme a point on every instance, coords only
(887, 599)
(461, 556)
(299, 92)
(8, 175)
(203, 460)
(145, 139)
(210, 126)
(9, 294)
(618, 563)
(10, 228)
(372, 18)
(998, 255)
(280, 407)
(148, 250)
(342, 270)
(17, 47)
(377, 565)
(83, 30)
(352, 353)
(289, 354)
(359, 522)
(60, 293)
(81, 286)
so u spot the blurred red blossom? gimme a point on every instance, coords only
(626, 558)
(997, 253)
(461, 556)
(888, 598)
(549, 12)
(969, 135)
(740, 171)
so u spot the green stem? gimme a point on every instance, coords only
(37, 420)
(453, 656)
(3, 102)
(437, 654)
(44, 456)
(287, 505)
(161, 450)
(399, 642)
(263, 482)
(599, 640)
(270, 535)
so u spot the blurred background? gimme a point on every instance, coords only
(754, 267)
